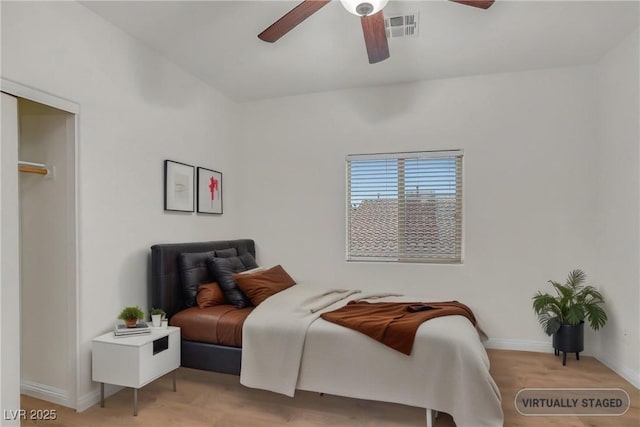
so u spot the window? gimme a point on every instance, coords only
(405, 207)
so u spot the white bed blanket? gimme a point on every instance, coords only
(286, 346)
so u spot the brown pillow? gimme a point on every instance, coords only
(209, 295)
(261, 285)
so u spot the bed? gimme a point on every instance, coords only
(167, 293)
(448, 369)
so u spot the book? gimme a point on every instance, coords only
(120, 333)
(121, 330)
(130, 334)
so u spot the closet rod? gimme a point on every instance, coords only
(31, 167)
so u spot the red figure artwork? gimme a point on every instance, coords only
(213, 188)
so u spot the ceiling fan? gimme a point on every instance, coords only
(371, 17)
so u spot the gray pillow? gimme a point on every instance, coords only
(222, 269)
(193, 272)
(248, 261)
(226, 253)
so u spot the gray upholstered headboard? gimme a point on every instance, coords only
(166, 290)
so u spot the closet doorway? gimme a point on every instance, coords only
(45, 186)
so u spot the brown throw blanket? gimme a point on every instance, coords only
(394, 324)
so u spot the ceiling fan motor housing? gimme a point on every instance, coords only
(364, 8)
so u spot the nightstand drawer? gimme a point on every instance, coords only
(166, 358)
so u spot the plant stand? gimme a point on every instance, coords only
(569, 339)
(564, 355)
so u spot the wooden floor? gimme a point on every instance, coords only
(209, 399)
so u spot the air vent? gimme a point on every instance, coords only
(405, 25)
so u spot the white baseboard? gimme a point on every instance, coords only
(526, 345)
(93, 397)
(88, 400)
(545, 347)
(519, 345)
(623, 371)
(46, 393)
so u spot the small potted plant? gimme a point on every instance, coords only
(563, 315)
(157, 314)
(131, 315)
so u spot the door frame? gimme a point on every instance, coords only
(73, 237)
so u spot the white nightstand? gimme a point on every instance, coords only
(135, 361)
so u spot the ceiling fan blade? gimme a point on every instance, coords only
(375, 37)
(482, 4)
(289, 21)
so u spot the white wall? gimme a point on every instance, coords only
(44, 229)
(618, 205)
(136, 110)
(529, 144)
(9, 264)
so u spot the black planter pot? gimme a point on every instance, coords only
(569, 339)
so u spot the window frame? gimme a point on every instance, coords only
(458, 155)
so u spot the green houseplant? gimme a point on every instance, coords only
(131, 315)
(563, 315)
(159, 311)
(157, 314)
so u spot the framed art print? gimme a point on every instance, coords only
(209, 191)
(178, 186)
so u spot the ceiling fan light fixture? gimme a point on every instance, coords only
(364, 7)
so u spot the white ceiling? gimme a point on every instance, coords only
(217, 41)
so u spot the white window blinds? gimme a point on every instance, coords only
(405, 207)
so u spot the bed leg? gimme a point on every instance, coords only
(429, 417)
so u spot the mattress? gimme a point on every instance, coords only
(221, 324)
(288, 346)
